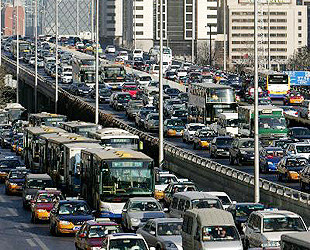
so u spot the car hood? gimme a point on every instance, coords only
(16, 180)
(223, 146)
(46, 205)
(95, 242)
(275, 236)
(223, 245)
(31, 191)
(248, 150)
(76, 218)
(147, 215)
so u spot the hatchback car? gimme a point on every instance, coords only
(289, 167)
(220, 145)
(269, 159)
(137, 211)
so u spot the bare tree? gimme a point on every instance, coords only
(300, 60)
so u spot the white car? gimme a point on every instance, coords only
(32, 60)
(163, 179)
(143, 81)
(110, 49)
(190, 130)
(225, 199)
(125, 241)
(66, 77)
(137, 53)
(301, 149)
(123, 54)
(264, 228)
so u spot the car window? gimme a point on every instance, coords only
(174, 203)
(181, 205)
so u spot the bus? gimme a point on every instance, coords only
(167, 55)
(109, 177)
(113, 76)
(78, 127)
(298, 241)
(83, 69)
(46, 119)
(207, 101)
(278, 85)
(117, 138)
(15, 111)
(24, 47)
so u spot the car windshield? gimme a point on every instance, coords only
(283, 223)
(144, 206)
(246, 210)
(247, 144)
(220, 233)
(175, 123)
(224, 141)
(9, 164)
(169, 228)
(17, 175)
(272, 123)
(224, 199)
(128, 244)
(206, 203)
(303, 149)
(74, 209)
(179, 113)
(296, 164)
(39, 184)
(166, 180)
(195, 128)
(301, 131)
(183, 188)
(100, 231)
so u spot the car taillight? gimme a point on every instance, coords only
(268, 92)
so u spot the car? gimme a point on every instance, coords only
(67, 216)
(264, 228)
(8, 163)
(125, 241)
(43, 202)
(183, 97)
(180, 114)
(301, 149)
(170, 75)
(291, 111)
(79, 89)
(104, 95)
(241, 212)
(15, 180)
(137, 211)
(133, 108)
(137, 53)
(299, 133)
(33, 183)
(269, 159)
(5, 138)
(266, 100)
(242, 151)
(293, 98)
(123, 54)
(121, 100)
(219, 146)
(304, 178)
(131, 89)
(304, 109)
(175, 187)
(282, 143)
(93, 232)
(144, 81)
(162, 181)
(173, 128)
(172, 92)
(66, 77)
(163, 233)
(110, 49)
(190, 130)
(141, 115)
(203, 138)
(289, 167)
(151, 122)
(224, 198)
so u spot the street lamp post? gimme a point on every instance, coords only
(97, 63)
(17, 54)
(36, 56)
(161, 105)
(92, 20)
(56, 48)
(224, 23)
(210, 51)
(193, 30)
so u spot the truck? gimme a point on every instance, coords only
(271, 122)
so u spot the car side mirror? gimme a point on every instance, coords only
(152, 233)
(166, 210)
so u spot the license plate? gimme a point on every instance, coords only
(76, 228)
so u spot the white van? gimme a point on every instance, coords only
(209, 229)
(228, 124)
(188, 200)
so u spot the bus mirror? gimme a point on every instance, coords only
(140, 145)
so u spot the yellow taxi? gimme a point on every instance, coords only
(203, 138)
(289, 167)
(7, 164)
(15, 181)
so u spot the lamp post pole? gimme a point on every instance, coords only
(161, 105)
(56, 48)
(97, 63)
(17, 54)
(36, 56)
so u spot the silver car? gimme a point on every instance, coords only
(137, 211)
(163, 233)
(151, 122)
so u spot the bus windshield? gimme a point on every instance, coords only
(113, 72)
(272, 122)
(221, 95)
(127, 178)
(130, 143)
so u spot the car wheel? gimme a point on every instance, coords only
(159, 247)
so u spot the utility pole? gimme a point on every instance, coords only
(193, 30)
(134, 24)
(77, 18)
(56, 47)
(161, 98)
(0, 33)
(224, 23)
(92, 20)
(256, 149)
(17, 53)
(97, 63)
(36, 56)
(269, 61)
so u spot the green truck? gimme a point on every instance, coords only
(271, 122)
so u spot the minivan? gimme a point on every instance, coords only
(183, 201)
(209, 229)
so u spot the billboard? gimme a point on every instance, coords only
(299, 78)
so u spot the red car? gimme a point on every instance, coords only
(93, 232)
(131, 89)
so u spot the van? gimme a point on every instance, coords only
(183, 201)
(228, 124)
(211, 229)
(33, 183)
(304, 110)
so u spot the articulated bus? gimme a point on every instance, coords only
(83, 69)
(113, 76)
(109, 177)
(207, 101)
(278, 85)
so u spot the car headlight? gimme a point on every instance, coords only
(28, 197)
(220, 149)
(134, 220)
(41, 210)
(64, 223)
(243, 152)
(170, 244)
(271, 243)
(13, 184)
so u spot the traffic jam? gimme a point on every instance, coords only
(96, 185)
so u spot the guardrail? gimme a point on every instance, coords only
(237, 183)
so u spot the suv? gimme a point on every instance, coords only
(301, 149)
(264, 228)
(220, 146)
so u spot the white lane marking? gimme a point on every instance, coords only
(13, 211)
(40, 242)
(31, 242)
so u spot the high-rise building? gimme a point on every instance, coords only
(282, 28)
(10, 20)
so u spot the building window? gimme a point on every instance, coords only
(299, 20)
(211, 16)
(139, 7)
(139, 16)
(299, 13)
(299, 42)
(299, 34)
(139, 33)
(139, 24)
(299, 27)
(110, 29)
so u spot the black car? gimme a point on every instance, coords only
(242, 211)
(15, 181)
(67, 216)
(183, 97)
(104, 95)
(80, 89)
(242, 151)
(299, 133)
(5, 138)
(220, 146)
(7, 164)
(172, 92)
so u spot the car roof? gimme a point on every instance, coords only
(38, 176)
(195, 195)
(125, 236)
(162, 220)
(142, 199)
(72, 201)
(274, 213)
